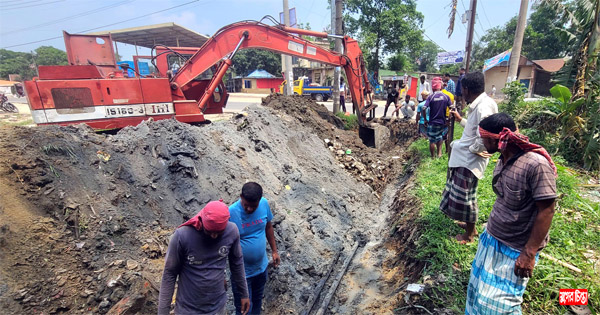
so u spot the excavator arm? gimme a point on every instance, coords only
(280, 39)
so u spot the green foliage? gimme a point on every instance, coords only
(248, 60)
(451, 69)
(399, 62)
(574, 230)
(542, 39)
(427, 56)
(384, 27)
(350, 121)
(23, 64)
(515, 94)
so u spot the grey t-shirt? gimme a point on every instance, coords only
(518, 184)
(200, 261)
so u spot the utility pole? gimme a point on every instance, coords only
(336, 27)
(515, 54)
(470, 30)
(286, 61)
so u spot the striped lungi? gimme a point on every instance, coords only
(436, 132)
(459, 199)
(493, 286)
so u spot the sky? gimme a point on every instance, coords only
(26, 21)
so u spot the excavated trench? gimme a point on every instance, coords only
(85, 218)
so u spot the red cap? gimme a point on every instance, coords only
(215, 216)
(436, 83)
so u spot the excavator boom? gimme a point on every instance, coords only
(279, 39)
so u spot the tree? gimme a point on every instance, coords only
(13, 62)
(248, 60)
(50, 56)
(23, 64)
(399, 62)
(384, 27)
(427, 56)
(542, 39)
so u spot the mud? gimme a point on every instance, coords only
(86, 217)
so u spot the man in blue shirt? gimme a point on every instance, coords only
(459, 97)
(252, 215)
(450, 86)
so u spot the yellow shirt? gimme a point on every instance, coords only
(451, 96)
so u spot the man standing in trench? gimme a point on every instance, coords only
(517, 230)
(197, 255)
(468, 159)
(252, 215)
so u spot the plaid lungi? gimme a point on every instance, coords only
(436, 132)
(459, 199)
(493, 286)
(423, 130)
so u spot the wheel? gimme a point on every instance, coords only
(296, 93)
(319, 97)
(325, 98)
(9, 107)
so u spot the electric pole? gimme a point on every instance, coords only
(470, 30)
(336, 27)
(286, 61)
(515, 54)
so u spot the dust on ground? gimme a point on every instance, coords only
(86, 217)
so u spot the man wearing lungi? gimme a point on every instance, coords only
(517, 230)
(468, 159)
(437, 103)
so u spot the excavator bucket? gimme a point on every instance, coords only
(374, 136)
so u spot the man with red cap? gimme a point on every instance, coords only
(196, 259)
(438, 104)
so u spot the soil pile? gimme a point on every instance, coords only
(85, 218)
(372, 166)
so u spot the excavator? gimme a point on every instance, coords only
(93, 90)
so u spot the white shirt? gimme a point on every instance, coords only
(464, 150)
(422, 87)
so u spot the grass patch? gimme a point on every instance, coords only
(26, 122)
(575, 232)
(350, 121)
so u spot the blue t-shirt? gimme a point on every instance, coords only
(437, 102)
(252, 235)
(419, 108)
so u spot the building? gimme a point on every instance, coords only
(259, 81)
(536, 75)
(7, 87)
(318, 73)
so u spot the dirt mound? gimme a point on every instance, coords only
(85, 218)
(372, 166)
(100, 208)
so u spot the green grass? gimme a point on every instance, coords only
(350, 121)
(575, 229)
(18, 123)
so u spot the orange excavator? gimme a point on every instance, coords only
(92, 89)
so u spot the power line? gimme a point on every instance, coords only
(78, 15)
(485, 14)
(19, 3)
(32, 5)
(95, 28)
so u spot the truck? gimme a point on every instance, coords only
(302, 86)
(186, 83)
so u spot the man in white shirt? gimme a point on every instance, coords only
(407, 107)
(424, 86)
(469, 158)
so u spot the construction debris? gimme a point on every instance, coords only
(88, 228)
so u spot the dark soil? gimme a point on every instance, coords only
(85, 218)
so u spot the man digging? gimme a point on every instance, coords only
(517, 230)
(196, 259)
(252, 215)
(468, 159)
